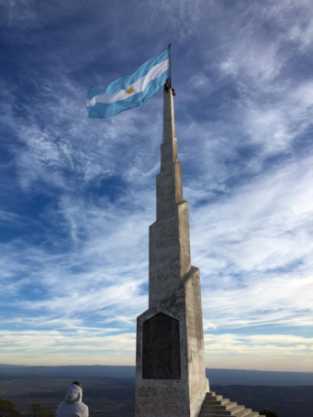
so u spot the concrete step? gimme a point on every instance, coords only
(236, 410)
(215, 414)
(217, 406)
(222, 400)
(244, 413)
(253, 413)
(210, 398)
(218, 397)
(207, 413)
(215, 411)
(226, 402)
(211, 403)
(208, 410)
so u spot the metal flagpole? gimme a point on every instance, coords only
(170, 64)
(169, 84)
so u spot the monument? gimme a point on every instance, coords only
(170, 377)
(170, 370)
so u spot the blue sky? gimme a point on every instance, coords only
(77, 195)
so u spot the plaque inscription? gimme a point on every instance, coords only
(161, 348)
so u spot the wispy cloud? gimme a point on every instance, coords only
(255, 250)
(74, 250)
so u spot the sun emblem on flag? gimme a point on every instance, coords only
(130, 90)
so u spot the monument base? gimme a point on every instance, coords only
(170, 377)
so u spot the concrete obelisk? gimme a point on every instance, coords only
(170, 371)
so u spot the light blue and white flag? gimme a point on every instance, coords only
(130, 91)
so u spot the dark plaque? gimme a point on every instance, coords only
(161, 348)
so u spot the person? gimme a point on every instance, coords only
(72, 405)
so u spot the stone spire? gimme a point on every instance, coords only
(170, 372)
(169, 235)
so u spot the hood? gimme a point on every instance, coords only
(74, 394)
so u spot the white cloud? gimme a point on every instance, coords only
(53, 347)
(238, 242)
(255, 251)
(264, 352)
(253, 244)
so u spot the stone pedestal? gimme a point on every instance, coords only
(170, 373)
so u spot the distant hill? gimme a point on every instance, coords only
(68, 371)
(112, 397)
(216, 376)
(244, 377)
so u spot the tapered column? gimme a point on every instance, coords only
(169, 235)
(170, 373)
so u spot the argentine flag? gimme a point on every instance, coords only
(130, 91)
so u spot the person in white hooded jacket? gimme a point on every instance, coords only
(73, 405)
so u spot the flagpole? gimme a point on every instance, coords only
(170, 64)
(168, 84)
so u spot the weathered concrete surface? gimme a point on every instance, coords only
(174, 292)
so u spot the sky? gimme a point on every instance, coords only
(77, 195)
